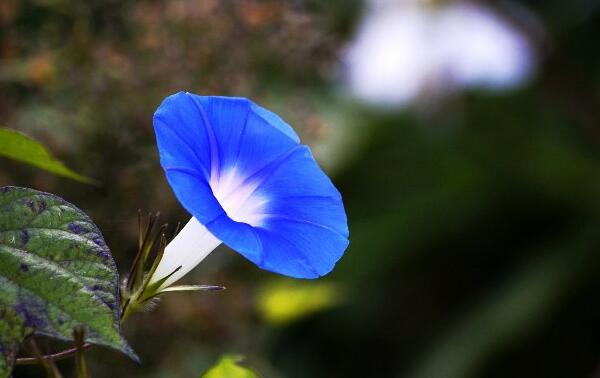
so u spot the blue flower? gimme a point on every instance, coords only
(243, 174)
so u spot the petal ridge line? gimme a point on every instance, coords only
(304, 221)
(212, 140)
(184, 142)
(242, 133)
(275, 164)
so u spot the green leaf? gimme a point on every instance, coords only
(20, 147)
(56, 274)
(228, 367)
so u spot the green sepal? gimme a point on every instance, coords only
(192, 288)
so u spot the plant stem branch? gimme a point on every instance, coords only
(53, 357)
(80, 364)
(48, 365)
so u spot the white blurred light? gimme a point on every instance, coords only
(482, 49)
(406, 49)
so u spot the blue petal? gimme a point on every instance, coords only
(194, 193)
(182, 139)
(303, 231)
(247, 136)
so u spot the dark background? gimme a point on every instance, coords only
(474, 220)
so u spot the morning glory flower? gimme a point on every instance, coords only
(249, 183)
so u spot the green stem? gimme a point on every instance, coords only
(48, 364)
(80, 364)
(52, 357)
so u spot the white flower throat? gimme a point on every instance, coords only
(238, 197)
(194, 242)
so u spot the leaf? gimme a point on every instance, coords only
(228, 367)
(56, 274)
(20, 147)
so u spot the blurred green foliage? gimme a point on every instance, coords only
(473, 219)
(228, 367)
(284, 301)
(20, 147)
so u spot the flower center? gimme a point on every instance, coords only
(238, 198)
